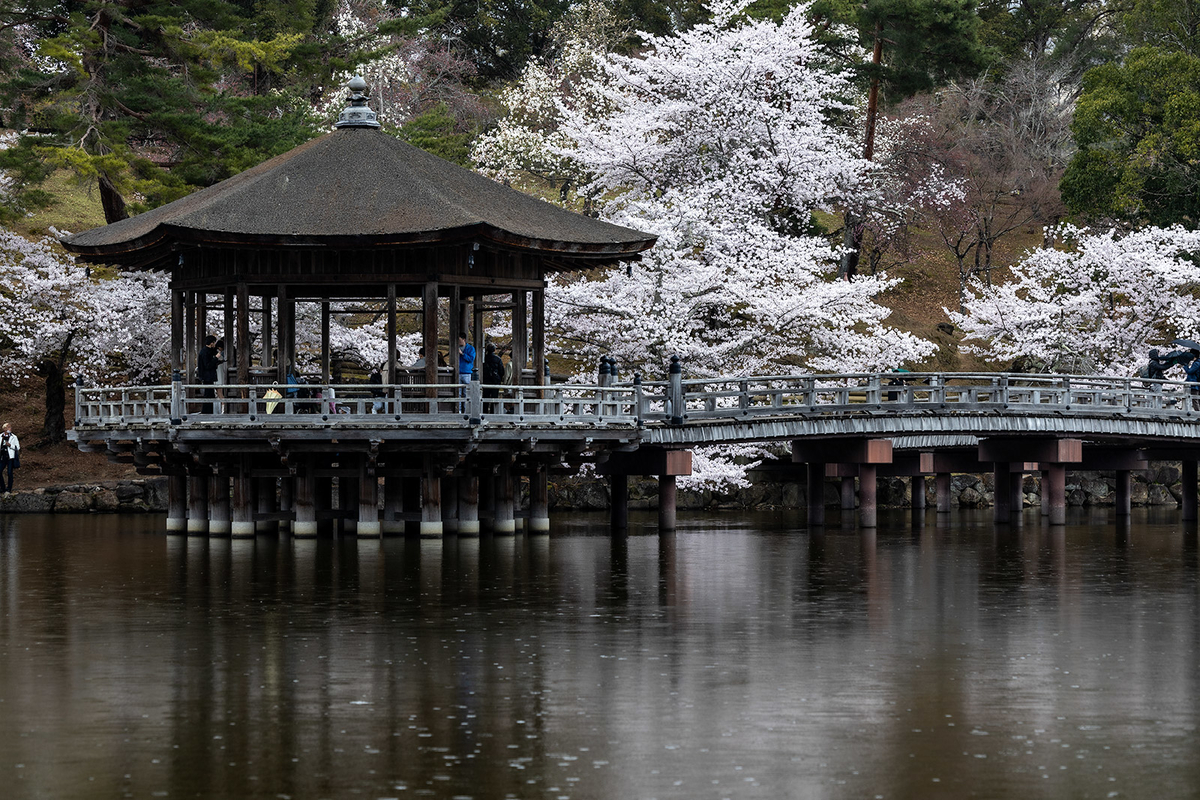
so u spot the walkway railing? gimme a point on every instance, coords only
(672, 402)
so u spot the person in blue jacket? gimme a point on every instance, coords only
(466, 359)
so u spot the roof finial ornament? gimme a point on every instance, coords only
(357, 114)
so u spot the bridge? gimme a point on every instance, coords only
(431, 443)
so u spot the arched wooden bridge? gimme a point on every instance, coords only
(846, 426)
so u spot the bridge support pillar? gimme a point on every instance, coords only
(449, 504)
(267, 502)
(1055, 491)
(943, 492)
(504, 523)
(619, 501)
(305, 525)
(242, 511)
(197, 515)
(177, 503)
(539, 500)
(431, 503)
(847, 493)
(287, 502)
(348, 504)
(917, 492)
(1016, 489)
(411, 494)
(667, 502)
(1124, 492)
(468, 505)
(1188, 486)
(393, 505)
(816, 493)
(487, 500)
(368, 501)
(218, 505)
(323, 500)
(867, 494)
(1001, 493)
(1044, 477)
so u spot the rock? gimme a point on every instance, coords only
(106, 500)
(72, 503)
(27, 503)
(126, 492)
(970, 498)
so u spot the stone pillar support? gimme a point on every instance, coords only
(867, 505)
(177, 501)
(242, 512)
(368, 500)
(618, 501)
(218, 505)
(1056, 492)
(393, 504)
(431, 499)
(1124, 492)
(1188, 487)
(504, 523)
(539, 499)
(848, 498)
(943, 492)
(816, 493)
(305, 525)
(667, 500)
(468, 505)
(197, 514)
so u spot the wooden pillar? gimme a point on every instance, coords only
(539, 338)
(847, 494)
(1001, 493)
(619, 501)
(191, 352)
(228, 331)
(520, 355)
(178, 356)
(539, 500)
(323, 502)
(266, 501)
(1188, 487)
(391, 345)
(201, 320)
(282, 336)
(197, 520)
(243, 333)
(177, 502)
(468, 505)
(305, 524)
(267, 330)
(487, 500)
(504, 523)
(218, 505)
(410, 489)
(393, 505)
(242, 513)
(867, 496)
(449, 504)
(1044, 479)
(1056, 491)
(429, 339)
(431, 494)
(943, 481)
(452, 333)
(667, 500)
(368, 501)
(816, 493)
(917, 492)
(348, 503)
(1124, 492)
(325, 342)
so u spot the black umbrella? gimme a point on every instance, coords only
(1187, 344)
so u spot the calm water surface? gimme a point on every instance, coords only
(741, 657)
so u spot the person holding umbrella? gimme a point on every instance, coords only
(1192, 369)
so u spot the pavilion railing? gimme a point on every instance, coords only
(675, 401)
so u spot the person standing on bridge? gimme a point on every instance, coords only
(206, 369)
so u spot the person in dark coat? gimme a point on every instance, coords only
(206, 369)
(493, 373)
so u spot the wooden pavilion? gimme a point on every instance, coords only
(354, 217)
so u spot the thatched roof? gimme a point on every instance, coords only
(357, 187)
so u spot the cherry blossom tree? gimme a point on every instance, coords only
(1097, 302)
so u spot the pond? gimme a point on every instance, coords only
(743, 656)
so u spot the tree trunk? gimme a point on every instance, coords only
(854, 228)
(112, 201)
(54, 427)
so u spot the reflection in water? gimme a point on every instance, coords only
(735, 658)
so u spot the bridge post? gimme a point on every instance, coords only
(431, 501)
(917, 491)
(619, 501)
(867, 496)
(218, 505)
(539, 500)
(393, 504)
(816, 493)
(305, 525)
(1124, 492)
(847, 493)
(468, 505)
(267, 503)
(943, 481)
(177, 502)
(1056, 491)
(323, 498)
(504, 523)
(1001, 493)
(287, 501)
(197, 515)
(667, 502)
(410, 491)
(242, 512)
(368, 500)
(1044, 476)
(347, 501)
(449, 504)
(1188, 485)
(1016, 488)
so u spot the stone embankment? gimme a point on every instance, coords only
(131, 496)
(1152, 487)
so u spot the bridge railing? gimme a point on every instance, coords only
(697, 400)
(312, 405)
